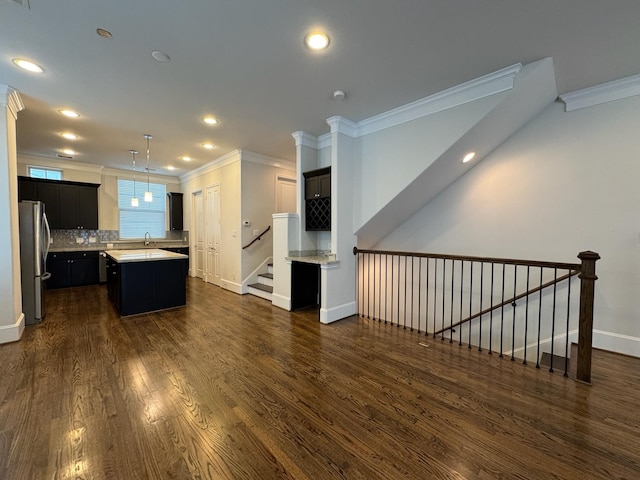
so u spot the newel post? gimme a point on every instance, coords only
(585, 322)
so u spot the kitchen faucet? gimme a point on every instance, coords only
(147, 238)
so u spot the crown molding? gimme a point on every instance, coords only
(226, 159)
(603, 93)
(266, 160)
(343, 125)
(26, 159)
(481, 87)
(11, 98)
(324, 141)
(305, 139)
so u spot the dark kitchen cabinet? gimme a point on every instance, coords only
(69, 205)
(317, 194)
(182, 250)
(175, 211)
(72, 269)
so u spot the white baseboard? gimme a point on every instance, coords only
(232, 286)
(616, 342)
(330, 315)
(281, 301)
(12, 333)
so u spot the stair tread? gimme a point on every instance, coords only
(266, 275)
(263, 287)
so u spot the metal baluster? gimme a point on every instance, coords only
(470, 300)
(419, 289)
(435, 296)
(513, 323)
(453, 269)
(461, 285)
(426, 304)
(398, 318)
(380, 290)
(374, 287)
(358, 296)
(386, 283)
(566, 344)
(502, 311)
(368, 282)
(444, 271)
(526, 318)
(539, 321)
(491, 314)
(481, 295)
(391, 297)
(553, 317)
(412, 282)
(404, 310)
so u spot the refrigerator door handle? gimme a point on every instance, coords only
(45, 276)
(48, 237)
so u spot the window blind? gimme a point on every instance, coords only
(147, 216)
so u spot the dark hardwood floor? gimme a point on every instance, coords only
(231, 387)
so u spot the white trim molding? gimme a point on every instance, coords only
(12, 100)
(12, 333)
(305, 139)
(330, 315)
(343, 125)
(281, 301)
(616, 342)
(226, 159)
(265, 160)
(603, 93)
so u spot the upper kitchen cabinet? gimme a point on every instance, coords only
(317, 194)
(175, 211)
(69, 205)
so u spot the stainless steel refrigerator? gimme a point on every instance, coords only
(35, 237)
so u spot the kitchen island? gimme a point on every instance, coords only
(146, 280)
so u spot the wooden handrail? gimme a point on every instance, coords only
(466, 258)
(257, 238)
(510, 301)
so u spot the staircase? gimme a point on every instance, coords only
(264, 287)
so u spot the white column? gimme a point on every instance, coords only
(11, 316)
(286, 230)
(306, 160)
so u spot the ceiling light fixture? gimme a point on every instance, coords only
(69, 135)
(186, 159)
(468, 157)
(104, 33)
(27, 65)
(210, 120)
(317, 40)
(208, 146)
(339, 95)
(160, 56)
(68, 151)
(134, 199)
(68, 113)
(148, 196)
(171, 167)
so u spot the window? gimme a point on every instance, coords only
(148, 216)
(48, 173)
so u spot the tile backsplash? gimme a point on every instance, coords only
(96, 238)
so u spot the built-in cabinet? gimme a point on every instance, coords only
(73, 269)
(175, 210)
(317, 194)
(68, 205)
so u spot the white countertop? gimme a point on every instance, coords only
(143, 255)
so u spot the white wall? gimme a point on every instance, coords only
(565, 183)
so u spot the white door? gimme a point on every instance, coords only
(285, 194)
(198, 223)
(212, 234)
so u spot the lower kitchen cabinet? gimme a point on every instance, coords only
(72, 269)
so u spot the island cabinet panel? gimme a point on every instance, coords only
(147, 286)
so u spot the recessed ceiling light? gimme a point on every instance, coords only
(171, 167)
(186, 159)
(68, 113)
(208, 146)
(27, 65)
(160, 56)
(317, 40)
(468, 157)
(69, 135)
(104, 33)
(339, 95)
(210, 120)
(68, 151)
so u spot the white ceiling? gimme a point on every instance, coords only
(244, 62)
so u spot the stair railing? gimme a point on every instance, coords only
(257, 238)
(506, 306)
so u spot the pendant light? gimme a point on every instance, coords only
(134, 199)
(148, 196)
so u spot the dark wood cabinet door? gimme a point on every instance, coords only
(68, 207)
(60, 269)
(311, 188)
(27, 189)
(85, 269)
(87, 207)
(324, 183)
(48, 194)
(175, 211)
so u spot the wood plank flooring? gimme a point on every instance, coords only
(230, 387)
